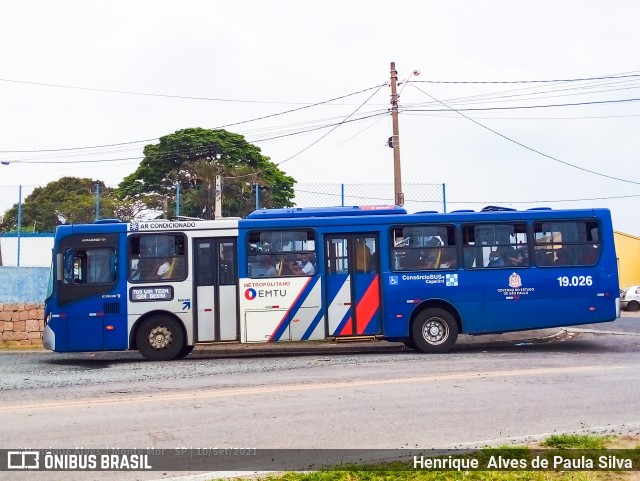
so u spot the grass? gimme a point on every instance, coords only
(403, 471)
(576, 441)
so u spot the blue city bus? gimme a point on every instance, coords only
(366, 272)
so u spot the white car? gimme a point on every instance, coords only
(630, 298)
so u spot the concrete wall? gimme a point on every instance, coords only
(628, 252)
(21, 324)
(23, 284)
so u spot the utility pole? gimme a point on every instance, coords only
(218, 201)
(395, 140)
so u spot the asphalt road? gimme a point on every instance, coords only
(377, 395)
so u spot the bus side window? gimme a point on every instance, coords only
(89, 266)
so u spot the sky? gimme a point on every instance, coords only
(85, 85)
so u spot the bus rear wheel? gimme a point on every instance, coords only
(160, 338)
(434, 330)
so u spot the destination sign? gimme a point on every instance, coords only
(144, 294)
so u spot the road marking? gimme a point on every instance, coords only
(251, 391)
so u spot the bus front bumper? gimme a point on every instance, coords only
(49, 339)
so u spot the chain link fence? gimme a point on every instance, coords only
(27, 224)
(417, 197)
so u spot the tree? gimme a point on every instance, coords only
(64, 201)
(193, 158)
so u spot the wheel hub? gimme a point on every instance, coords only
(160, 337)
(435, 331)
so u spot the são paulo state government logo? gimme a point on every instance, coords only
(515, 281)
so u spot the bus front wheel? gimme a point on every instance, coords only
(186, 350)
(160, 338)
(434, 330)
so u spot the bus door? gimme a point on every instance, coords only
(216, 303)
(352, 284)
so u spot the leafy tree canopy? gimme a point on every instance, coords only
(193, 158)
(64, 201)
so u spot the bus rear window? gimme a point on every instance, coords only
(567, 243)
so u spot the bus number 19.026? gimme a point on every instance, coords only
(574, 281)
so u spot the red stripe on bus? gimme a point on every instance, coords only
(368, 306)
(346, 329)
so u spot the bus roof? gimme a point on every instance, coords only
(281, 218)
(339, 211)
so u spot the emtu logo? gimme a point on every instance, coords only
(250, 294)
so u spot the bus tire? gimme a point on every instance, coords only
(633, 306)
(186, 350)
(434, 330)
(160, 338)
(410, 344)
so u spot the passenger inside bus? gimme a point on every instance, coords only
(267, 269)
(496, 259)
(304, 267)
(163, 269)
(517, 258)
(429, 260)
(449, 259)
(144, 269)
(363, 256)
(562, 257)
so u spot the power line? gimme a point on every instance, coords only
(582, 117)
(371, 124)
(315, 104)
(485, 202)
(146, 94)
(534, 92)
(548, 201)
(76, 148)
(526, 146)
(378, 87)
(335, 125)
(52, 162)
(346, 119)
(477, 109)
(524, 81)
(286, 132)
(492, 97)
(187, 151)
(215, 128)
(334, 128)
